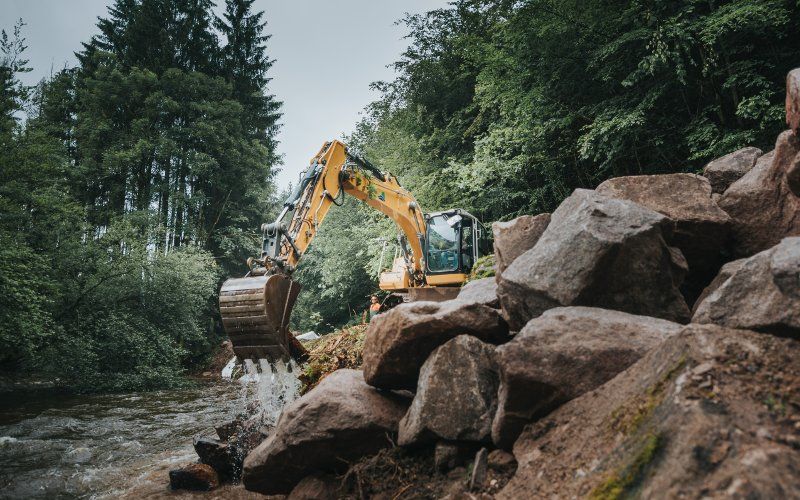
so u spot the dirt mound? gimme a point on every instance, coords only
(341, 349)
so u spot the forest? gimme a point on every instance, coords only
(132, 184)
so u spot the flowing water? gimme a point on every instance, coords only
(57, 445)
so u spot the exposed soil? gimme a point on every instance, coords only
(340, 349)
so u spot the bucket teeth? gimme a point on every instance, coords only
(255, 314)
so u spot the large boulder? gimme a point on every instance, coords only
(724, 171)
(482, 291)
(339, 421)
(700, 228)
(400, 340)
(762, 293)
(562, 354)
(706, 414)
(515, 237)
(597, 251)
(763, 208)
(456, 395)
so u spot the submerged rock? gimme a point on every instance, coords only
(456, 396)
(562, 354)
(689, 420)
(762, 293)
(195, 477)
(401, 339)
(597, 251)
(339, 421)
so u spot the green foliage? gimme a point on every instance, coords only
(340, 271)
(137, 180)
(484, 268)
(505, 107)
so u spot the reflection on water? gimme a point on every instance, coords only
(55, 445)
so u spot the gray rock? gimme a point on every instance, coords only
(400, 340)
(793, 100)
(482, 291)
(724, 171)
(341, 420)
(456, 395)
(762, 293)
(562, 354)
(597, 251)
(682, 438)
(700, 228)
(763, 208)
(515, 237)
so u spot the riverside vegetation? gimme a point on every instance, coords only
(132, 184)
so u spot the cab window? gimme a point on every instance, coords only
(442, 253)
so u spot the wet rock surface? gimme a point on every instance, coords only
(340, 420)
(563, 354)
(399, 341)
(702, 415)
(762, 293)
(456, 395)
(597, 251)
(194, 477)
(515, 237)
(723, 172)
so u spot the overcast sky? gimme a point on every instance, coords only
(327, 53)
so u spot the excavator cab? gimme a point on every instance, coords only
(455, 240)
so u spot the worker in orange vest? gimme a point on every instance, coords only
(374, 307)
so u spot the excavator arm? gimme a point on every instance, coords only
(255, 309)
(332, 173)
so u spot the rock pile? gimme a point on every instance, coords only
(582, 356)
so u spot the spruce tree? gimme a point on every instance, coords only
(245, 64)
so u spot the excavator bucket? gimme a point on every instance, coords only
(255, 314)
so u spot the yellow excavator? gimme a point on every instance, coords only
(436, 251)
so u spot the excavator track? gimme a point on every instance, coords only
(255, 315)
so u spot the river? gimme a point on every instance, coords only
(56, 445)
